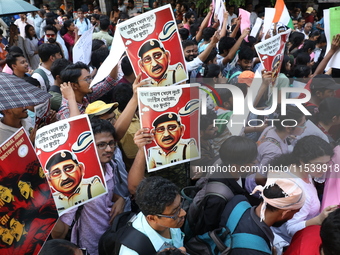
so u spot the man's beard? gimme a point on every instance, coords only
(51, 40)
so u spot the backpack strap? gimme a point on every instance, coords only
(44, 76)
(237, 214)
(249, 241)
(219, 189)
(137, 241)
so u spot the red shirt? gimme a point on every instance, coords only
(305, 242)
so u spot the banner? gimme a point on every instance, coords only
(27, 209)
(154, 48)
(271, 53)
(172, 115)
(331, 17)
(82, 49)
(68, 154)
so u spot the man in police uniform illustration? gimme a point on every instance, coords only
(168, 132)
(65, 175)
(155, 63)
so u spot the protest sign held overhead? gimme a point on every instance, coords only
(68, 155)
(154, 48)
(271, 52)
(172, 115)
(82, 48)
(27, 209)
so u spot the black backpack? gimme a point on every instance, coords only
(122, 232)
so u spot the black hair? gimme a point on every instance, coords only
(225, 94)
(296, 39)
(194, 28)
(103, 126)
(72, 72)
(238, 150)
(211, 56)
(225, 44)
(251, 42)
(246, 53)
(47, 6)
(212, 71)
(50, 21)
(285, 60)
(97, 8)
(49, 15)
(51, 27)
(301, 18)
(189, 14)
(207, 119)
(80, 10)
(98, 56)
(11, 58)
(97, 44)
(104, 22)
(328, 108)
(292, 113)
(273, 191)
(27, 27)
(306, 149)
(322, 39)
(15, 49)
(184, 33)
(302, 71)
(58, 65)
(187, 43)
(314, 34)
(308, 45)
(122, 94)
(330, 233)
(57, 247)
(46, 50)
(126, 66)
(207, 33)
(154, 194)
(65, 27)
(61, 11)
(96, 16)
(185, 7)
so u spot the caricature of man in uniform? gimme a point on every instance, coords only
(65, 175)
(168, 132)
(155, 63)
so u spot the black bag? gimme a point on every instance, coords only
(122, 232)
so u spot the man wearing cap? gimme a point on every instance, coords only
(168, 131)
(282, 198)
(65, 175)
(155, 63)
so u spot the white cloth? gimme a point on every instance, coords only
(41, 79)
(192, 65)
(21, 25)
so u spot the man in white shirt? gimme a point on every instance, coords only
(121, 6)
(21, 23)
(48, 53)
(81, 22)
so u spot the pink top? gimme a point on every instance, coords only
(7, 69)
(69, 41)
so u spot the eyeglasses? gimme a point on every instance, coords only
(170, 128)
(50, 35)
(68, 169)
(156, 56)
(176, 214)
(103, 145)
(88, 79)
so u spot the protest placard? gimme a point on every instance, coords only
(331, 19)
(271, 52)
(172, 115)
(41, 112)
(69, 158)
(154, 48)
(27, 209)
(82, 49)
(245, 20)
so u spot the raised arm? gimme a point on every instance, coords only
(204, 24)
(124, 120)
(136, 173)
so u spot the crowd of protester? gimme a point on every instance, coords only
(37, 47)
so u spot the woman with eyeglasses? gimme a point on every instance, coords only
(311, 158)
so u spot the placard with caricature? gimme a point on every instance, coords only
(271, 53)
(172, 115)
(154, 47)
(27, 209)
(67, 152)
